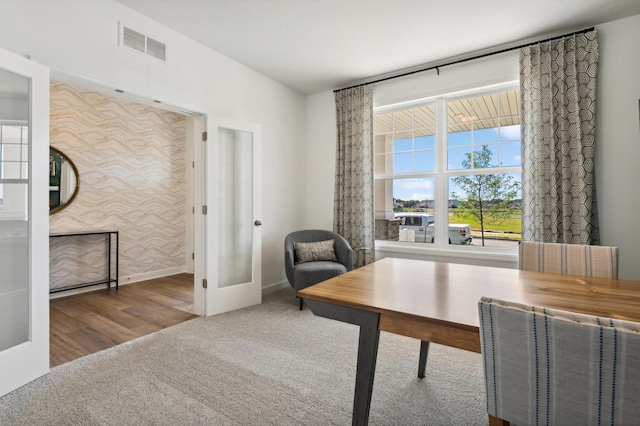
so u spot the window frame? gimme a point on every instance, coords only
(22, 160)
(441, 176)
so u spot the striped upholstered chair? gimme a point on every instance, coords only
(572, 259)
(551, 367)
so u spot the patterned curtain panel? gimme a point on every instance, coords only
(353, 214)
(558, 93)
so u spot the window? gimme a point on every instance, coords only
(452, 160)
(14, 162)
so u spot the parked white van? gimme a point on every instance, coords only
(423, 226)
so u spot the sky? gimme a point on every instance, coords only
(504, 143)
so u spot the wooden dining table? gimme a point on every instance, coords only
(438, 302)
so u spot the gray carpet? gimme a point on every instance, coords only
(269, 364)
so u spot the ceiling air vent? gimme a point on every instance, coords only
(156, 49)
(143, 43)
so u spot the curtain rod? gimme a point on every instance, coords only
(437, 67)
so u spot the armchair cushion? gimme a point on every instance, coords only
(310, 273)
(317, 251)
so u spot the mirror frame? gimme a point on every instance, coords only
(77, 174)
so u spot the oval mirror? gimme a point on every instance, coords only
(64, 181)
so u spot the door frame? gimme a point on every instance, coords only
(199, 152)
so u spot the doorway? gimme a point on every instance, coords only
(159, 171)
(135, 172)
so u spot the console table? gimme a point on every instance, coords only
(112, 239)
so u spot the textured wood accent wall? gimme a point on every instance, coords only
(131, 161)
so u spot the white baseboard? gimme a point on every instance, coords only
(271, 288)
(128, 279)
(153, 274)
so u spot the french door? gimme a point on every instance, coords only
(24, 221)
(232, 227)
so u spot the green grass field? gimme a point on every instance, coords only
(512, 225)
(508, 229)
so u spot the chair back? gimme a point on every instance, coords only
(572, 259)
(551, 367)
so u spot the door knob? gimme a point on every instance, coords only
(257, 223)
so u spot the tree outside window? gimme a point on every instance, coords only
(486, 198)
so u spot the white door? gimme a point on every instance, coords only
(24, 221)
(232, 266)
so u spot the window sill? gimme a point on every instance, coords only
(506, 257)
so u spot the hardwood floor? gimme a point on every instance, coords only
(90, 322)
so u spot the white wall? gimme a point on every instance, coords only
(80, 38)
(320, 160)
(618, 140)
(618, 143)
(495, 69)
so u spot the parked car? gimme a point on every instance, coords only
(424, 227)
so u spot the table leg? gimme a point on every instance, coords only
(367, 351)
(422, 363)
(367, 356)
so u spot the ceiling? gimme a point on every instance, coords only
(481, 112)
(318, 45)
